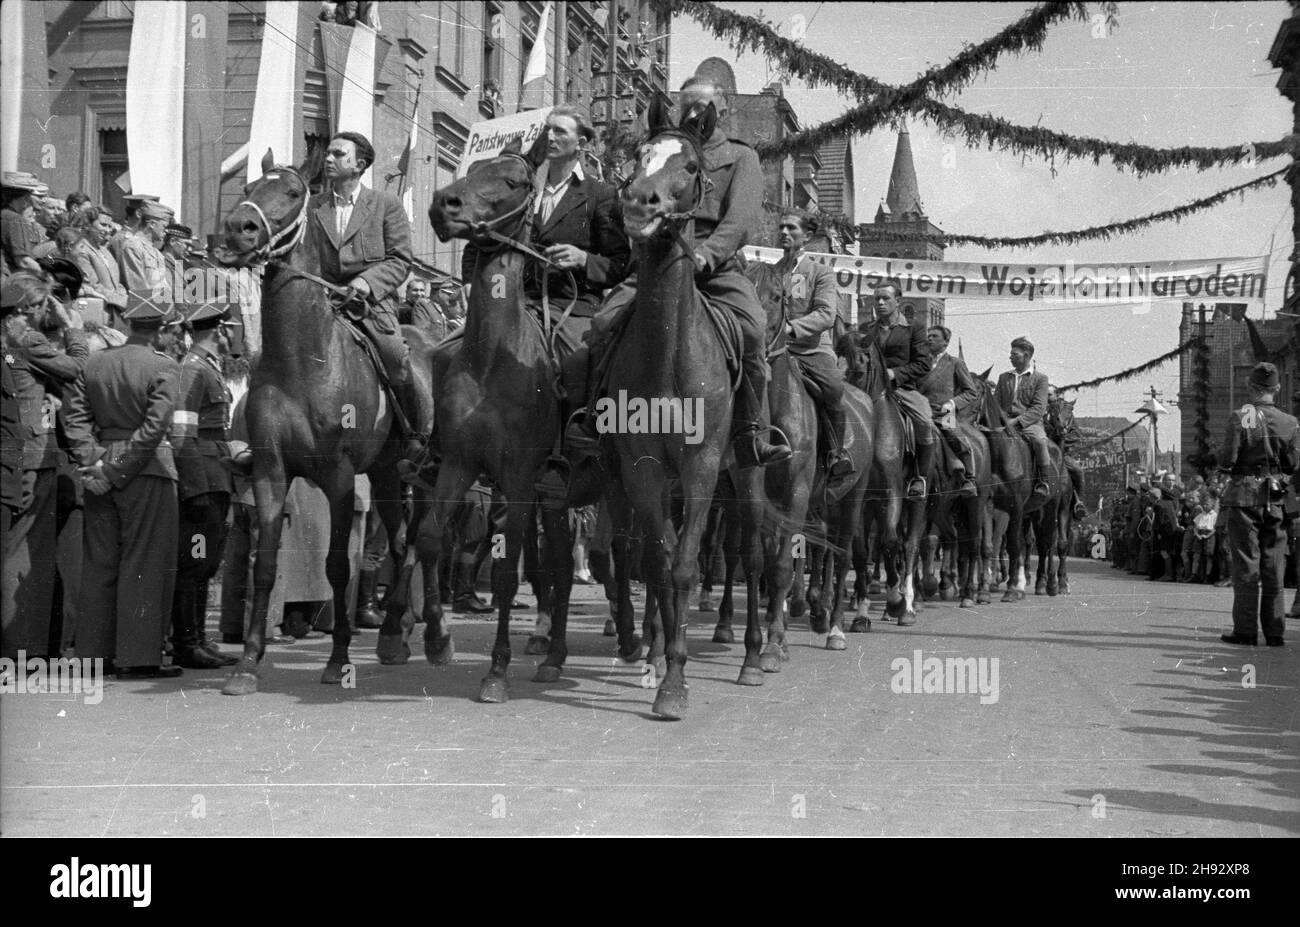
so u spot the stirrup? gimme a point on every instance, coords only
(419, 469)
(839, 465)
(968, 488)
(1041, 488)
(913, 492)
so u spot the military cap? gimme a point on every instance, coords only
(176, 231)
(65, 274)
(1264, 376)
(204, 311)
(143, 308)
(20, 180)
(155, 210)
(135, 199)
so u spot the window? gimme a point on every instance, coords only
(112, 165)
(451, 39)
(493, 55)
(527, 39)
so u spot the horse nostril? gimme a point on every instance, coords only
(250, 227)
(451, 204)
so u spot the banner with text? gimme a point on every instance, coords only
(486, 139)
(1237, 279)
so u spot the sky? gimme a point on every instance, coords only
(1171, 74)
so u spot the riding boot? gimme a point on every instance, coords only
(464, 596)
(968, 487)
(186, 651)
(917, 488)
(200, 625)
(418, 465)
(1042, 466)
(1079, 510)
(838, 464)
(368, 614)
(748, 417)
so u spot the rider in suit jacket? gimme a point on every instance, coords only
(810, 303)
(950, 388)
(1022, 394)
(907, 360)
(363, 240)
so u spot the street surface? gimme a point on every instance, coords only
(1119, 713)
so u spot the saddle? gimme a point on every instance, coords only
(351, 323)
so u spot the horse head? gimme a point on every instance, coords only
(492, 193)
(864, 363)
(271, 219)
(668, 180)
(1060, 417)
(767, 283)
(990, 413)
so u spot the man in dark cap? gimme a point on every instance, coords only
(130, 223)
(17, 209)
(1261, 454)
(204, 486)
(118, 416)
(177, 241)
(40, 371)
(143, 267)
(1022, 394)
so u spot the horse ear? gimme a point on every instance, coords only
(268, 161)
(985, 374)
(537, 153)
(701, 123)
(659, 116)
(513, 147)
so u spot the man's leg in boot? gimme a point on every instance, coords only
(828, 385)
(1076, 480)
(1037, 439)
(968, 487)
(925, 455)
(196, 542)
(749, 418)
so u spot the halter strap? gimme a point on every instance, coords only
(276, 245)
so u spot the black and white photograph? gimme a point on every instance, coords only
(651, 418)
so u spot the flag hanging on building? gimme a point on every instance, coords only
(24, 90)
(407, 158)
(533, 94)
(273, 106)
(357, 90)
(155, 101)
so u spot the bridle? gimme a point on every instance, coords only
(282, 242)
(676, 221)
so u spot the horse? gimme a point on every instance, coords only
(669, 354)
(497, 409)
(899, 521)
(316, 410)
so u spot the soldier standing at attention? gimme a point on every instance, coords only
(1261, 455)
(118, 415)
(204, 486)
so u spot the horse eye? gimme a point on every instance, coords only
(692, 168)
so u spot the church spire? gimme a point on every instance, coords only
(904, 195)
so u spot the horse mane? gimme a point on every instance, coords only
(767, 284)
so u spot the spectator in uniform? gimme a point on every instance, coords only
(419, 311)
(118, 417)
(143, 268)
(1261, 453)
(131, 222)
(17, 211)
(39, 370)
(204, 485)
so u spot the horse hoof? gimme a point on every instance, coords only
(860, 626)
(670, 705)
(750, 676)
(818, 623)
(723, 634)
(611, 630)
(907, 619)
(439, 651)
(1052, 590)
(835, 640)
(392, 650)
(1014, 595)
(948, 594)
(968, 603)
(797, 607)
(1040, 589)
(895, 609)
(994, 587)
(240, 684)
(537, 645)
(547, 674)
(770, 659)
(332, 675)
(929, 586)
(983, 599)
(1065, 588)
(632, 652)
(494, 691)
(706, 604)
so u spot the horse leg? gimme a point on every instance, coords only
(731, 541)
(866, 548)
(393, 647)
(341, 495)
(559, 549)
(643, 486)
(709, 548)
(453, 483)
(495, 687)
(750, 490)
(816, 609)
(915, 524)
(536, 555)
(1016, 579)
(269, 489)
(619, 514)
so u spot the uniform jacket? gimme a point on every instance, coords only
(1246, 454)
(811, 305)
(120, 411)
(41, 368)
(587, 216)
(426, 316)
(904, 349)
(143, 268)
(11, 438)
(1026, 403)
(17, 238)
(198, 435)
(949, 380)
(375, 246)
(734, 204)
(99, 270)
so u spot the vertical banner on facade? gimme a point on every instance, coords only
(533, 93)
(24, 90)
(357, 93)
(155, 101)
(273, 107)
(205, 98)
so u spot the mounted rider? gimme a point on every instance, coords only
(950, 388)
(810, 301)
(363, 240)
(907, 361)
(1022, 394)
(729, 208)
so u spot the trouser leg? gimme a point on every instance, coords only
(1272, 567)
(234, 578)
(1243, 530)
(30, 567)
(97, 606)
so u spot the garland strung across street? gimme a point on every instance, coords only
(818, 70)
(1132, 371)
(851, 230)
(1111, 437)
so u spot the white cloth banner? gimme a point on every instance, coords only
(357, 96)
(1229, 279)
(155, 100)
(487, 138)
(272, 123)
(11, 83)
